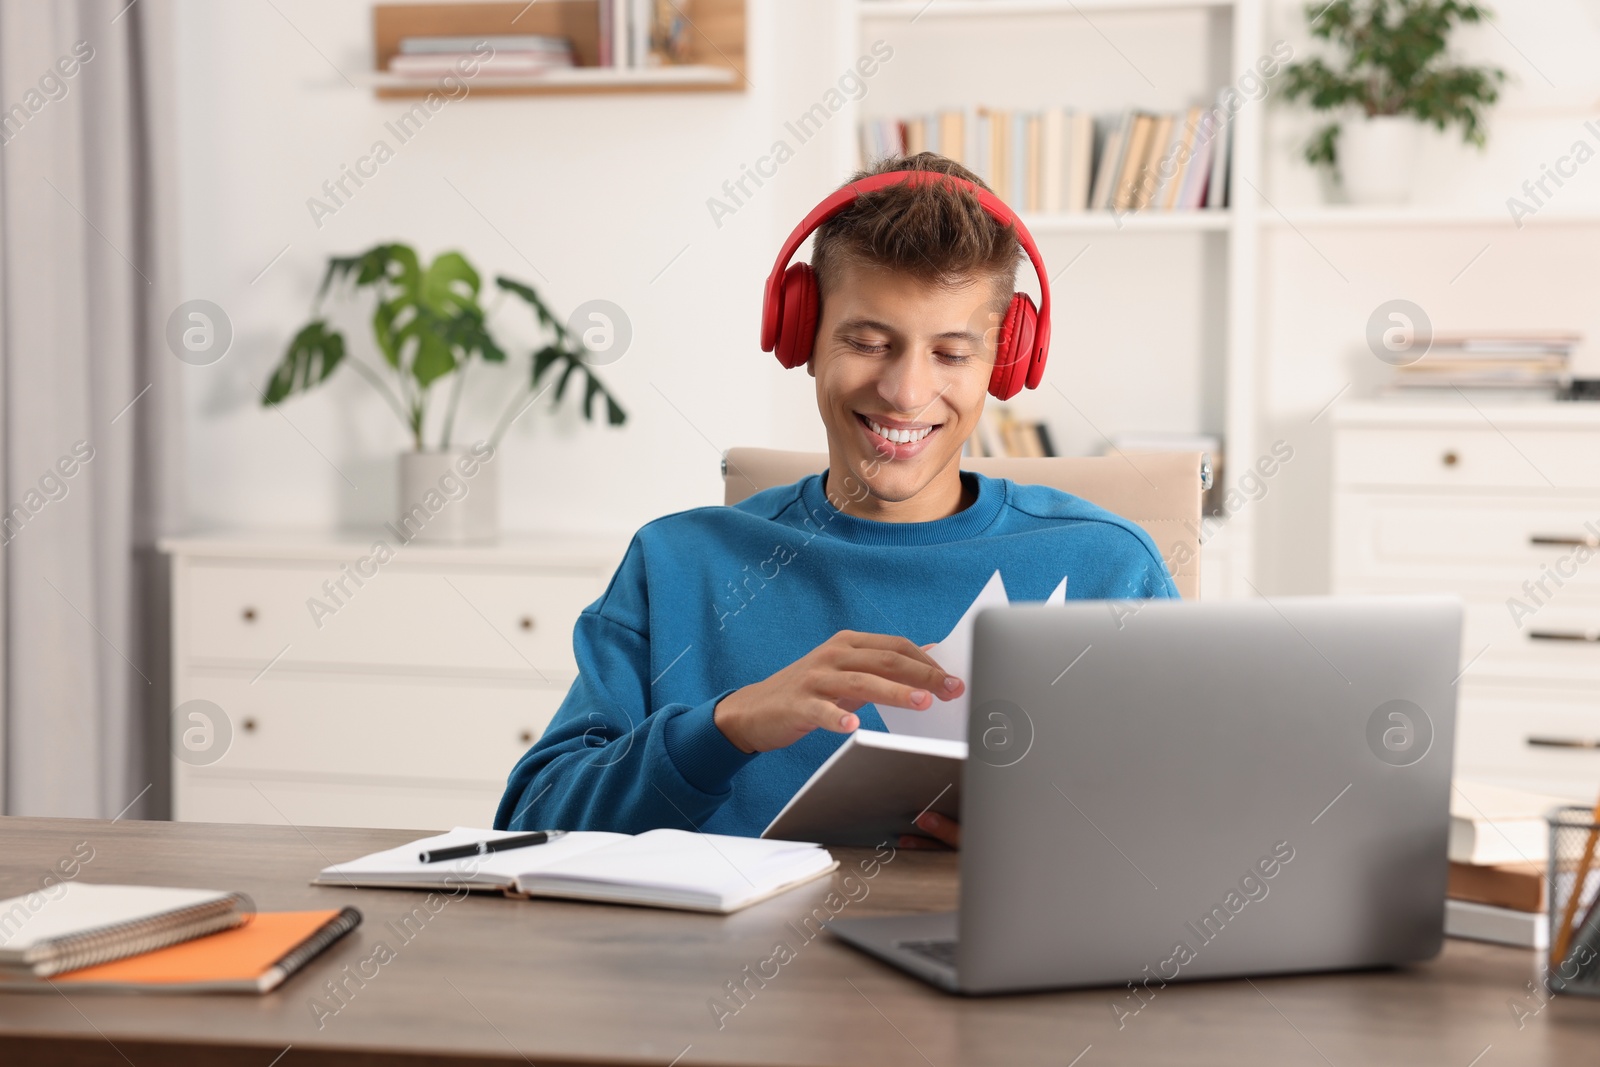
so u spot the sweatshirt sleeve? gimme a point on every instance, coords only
(609, 760)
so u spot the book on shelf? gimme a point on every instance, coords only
(1535, 361)
(500, 42)
(1059, 160)
(1000, 433)
(637, 34)
(1125, 193)
(498, 65)
(1110, 162)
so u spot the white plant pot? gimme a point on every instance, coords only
(1377, 158)
(448, 496)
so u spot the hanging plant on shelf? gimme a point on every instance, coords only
(1393, 75)
(428, 326)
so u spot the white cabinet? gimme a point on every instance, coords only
(1500, 505)
(318, 681)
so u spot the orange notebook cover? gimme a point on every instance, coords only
(253, 958)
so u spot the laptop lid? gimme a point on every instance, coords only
(1168, 790)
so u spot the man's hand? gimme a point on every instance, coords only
(824, 688)
(943, 829)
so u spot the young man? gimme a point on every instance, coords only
(737, 646)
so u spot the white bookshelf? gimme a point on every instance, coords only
(1208, 259)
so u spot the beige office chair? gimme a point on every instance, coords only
(1158, 490)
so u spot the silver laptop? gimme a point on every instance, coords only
(1159, 791)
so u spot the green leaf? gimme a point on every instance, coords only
(542, 361)
(400, 267)
(433, 359)
(313, 354)
(391, 320)
(546, 317)
(449, 285)
(573, 366)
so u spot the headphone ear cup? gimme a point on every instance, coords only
(1014, 352)
(797, 315)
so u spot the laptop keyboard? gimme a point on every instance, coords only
(939, 951)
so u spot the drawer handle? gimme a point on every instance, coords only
(249, 726)
(1450, 459)
(1586, 540)
(526, 737)
(1590, 637)
(249, 614)
(1565, 742)
(526, 622)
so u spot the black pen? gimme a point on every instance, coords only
(481, 848)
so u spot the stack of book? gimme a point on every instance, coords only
(128, 938)
(1499, 848)
(1061, 161)
(1000, 433)
(1530, 361)
(489, 56)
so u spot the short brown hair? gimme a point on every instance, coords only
(935, 231)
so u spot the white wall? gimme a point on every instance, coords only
(585, 197)
(600, 193)
(1321, 285)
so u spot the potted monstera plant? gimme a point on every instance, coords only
(429, 326)
(1393, 75)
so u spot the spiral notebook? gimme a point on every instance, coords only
(256, 956)
(75, 924)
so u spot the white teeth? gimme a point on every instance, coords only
(899, 437)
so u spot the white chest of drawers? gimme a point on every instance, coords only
(339, 687)
(1500, 505)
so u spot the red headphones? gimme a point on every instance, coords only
(790, 308)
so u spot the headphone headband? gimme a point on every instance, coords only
(843, 197)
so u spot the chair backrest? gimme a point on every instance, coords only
(1160, 491)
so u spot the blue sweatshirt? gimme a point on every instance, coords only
(713, 599)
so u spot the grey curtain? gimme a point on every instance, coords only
(88, 405)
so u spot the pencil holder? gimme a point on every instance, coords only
(1574, 896)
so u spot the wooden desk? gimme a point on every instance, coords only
(489, 980)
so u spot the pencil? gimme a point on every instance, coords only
(1563, 939)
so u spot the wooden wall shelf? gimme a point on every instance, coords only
(717, 47)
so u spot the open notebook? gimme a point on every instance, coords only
(659, 868)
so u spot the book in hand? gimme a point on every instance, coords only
(658, 868)
(256, 956)
(872, 788)
(78, 924)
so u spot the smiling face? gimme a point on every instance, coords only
(902, 369)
